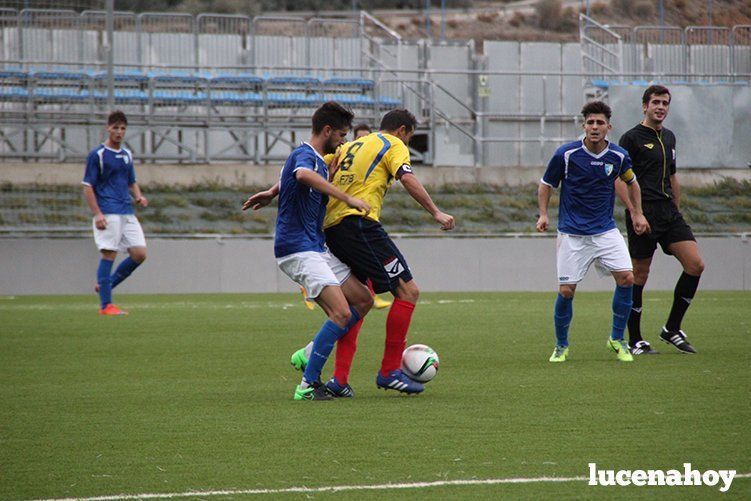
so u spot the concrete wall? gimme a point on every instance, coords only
(245, 174)
(68, 266)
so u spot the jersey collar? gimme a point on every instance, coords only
(601, 154)
(112, 149)
(314, 150)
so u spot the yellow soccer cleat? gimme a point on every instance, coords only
(620, 347)
(308, 303)
(380, 303)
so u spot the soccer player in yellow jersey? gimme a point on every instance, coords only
(366, 168)
(369, 166)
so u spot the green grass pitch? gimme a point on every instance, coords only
(194, 392)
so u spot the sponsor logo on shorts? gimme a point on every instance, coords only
(393, 267)
(563, 279)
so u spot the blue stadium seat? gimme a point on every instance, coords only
(13, 74)
(60, 94)
(293, 80)
(360, 83)
(235, 98)
(126, 75)
(236, 79)
(389, 102)
(355, 100)
(602, 84)
(59, 74)
(14, 93)
(292, 98)
(172, 96)
(178, 76)
(643, 83)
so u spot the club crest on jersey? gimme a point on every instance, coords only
(608, 169)
(649, 146)
(393, 267)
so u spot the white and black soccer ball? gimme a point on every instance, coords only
(420, 362)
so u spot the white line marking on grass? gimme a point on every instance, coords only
(337, 488)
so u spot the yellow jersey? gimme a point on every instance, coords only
(367, 168)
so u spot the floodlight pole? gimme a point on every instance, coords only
(443, 20)
(427, 18)
(110, 55)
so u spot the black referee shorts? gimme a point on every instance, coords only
(668, 227)
(367, 249)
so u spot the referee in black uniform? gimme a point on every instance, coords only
(652, 150)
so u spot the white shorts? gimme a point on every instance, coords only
(314, 270)
(123, 231)
(575, 253)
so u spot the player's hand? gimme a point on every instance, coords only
(100, 221)
(260, 199)
(542, 223)
(641, 226)
(356, 203)
(142, 201)
(445, 220)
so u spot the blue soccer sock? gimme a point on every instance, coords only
(564, 312)
(104, 281)
(622, 302)
(124, 270)
(323, 343)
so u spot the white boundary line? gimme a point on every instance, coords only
(336, 488)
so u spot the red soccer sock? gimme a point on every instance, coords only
(397, 325)
(346, 347)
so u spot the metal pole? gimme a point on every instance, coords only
(427, 19)
(662, 12)
(110, 55)
(443, 20)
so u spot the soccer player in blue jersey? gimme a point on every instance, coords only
(108, 183)
(299, 241)
(586, 171)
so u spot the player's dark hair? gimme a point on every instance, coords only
(596, 108)
(332, 114)
(117, 117)
(655, 90)
(396, 118)
(360, 127)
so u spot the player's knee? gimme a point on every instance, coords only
(363, 304)
(640, 276)
(625, 280)
(695, 268)
(138, 255)
(566, 291)
(341, 317)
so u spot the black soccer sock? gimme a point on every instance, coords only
(684, 293)
(634, 318)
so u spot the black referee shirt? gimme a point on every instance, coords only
(653, 156)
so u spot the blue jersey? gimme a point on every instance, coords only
(299, 223)
(587, 186)
(110, 172)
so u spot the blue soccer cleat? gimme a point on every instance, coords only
(338, 390)
(397, 380)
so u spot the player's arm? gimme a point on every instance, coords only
(676, 190)
(621, 191)
(634, 202)
(90, 180)
(321, 185)
(138, 196)
(543, 201)
(262, 198)
(99, 220)
(417, 191)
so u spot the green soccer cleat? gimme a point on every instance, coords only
(620, 347)
(298, 360)
(316, 391)
(559, 354)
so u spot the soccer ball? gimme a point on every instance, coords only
(420, 362)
